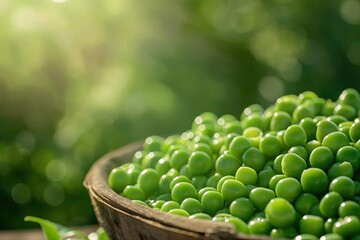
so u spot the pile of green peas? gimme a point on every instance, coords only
(289, 171)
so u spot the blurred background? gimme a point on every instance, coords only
(81, 78)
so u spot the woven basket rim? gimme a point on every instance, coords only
(96, 184)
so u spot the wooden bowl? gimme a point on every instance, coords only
(123, 219)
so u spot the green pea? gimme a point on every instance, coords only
(306, 236)
(307, 96)
(330, 204)
(253, 109)
(199, 163)
(345, 129)
(225, 118)
(185, 171)
(328, 108)
(140, 202)
(153, 143)
(345, 110)
(162, 166)
(200, 216)
(277, 163)
(315, 210)
(331, 236)
(138, 157)
(254, 120)
(164, 183)
(340, 169)
(254, 158)
(280, 213)
(202, 147)
(164, 196)
(355, 131)
(270, 145)
(288, 188)
(232, 189)
(295, 135)
(199, 182)
(167, 206)
(157, 204)
(239, 145)
(310, 224)
(221, 182)
(349, 208)
(212, 201)
(180, 212)
(254, 135)
(301, 151)
(274, 180)
(240, 225)
(133, 174)
(242, 208)
(191, 205)
(171, 141)
(351, 97)
(213, 180)
(280, 121)
(335, 141)
(350, 154)
(260, 197)
(324, 127)
(343, 185)
(134, 193)
(118, 179)
(264, 177)
(322, 157)
(227, 164)
(224, 212)
(259, 226)
(303, 111)
(234, 127)
(204, 190)
(311, 145)
(328, 225)
(179, 158)
(246, 175)
(183, 190)
(337, 119)
(202, 139)
(347, 227)
(151, 159)
(178, 179)
(286, 103)
(292, 165)
(314, 180)
(280, 136)
(310, 128)
(305, 202)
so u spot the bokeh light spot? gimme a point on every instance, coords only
(20, 193)
(290, 70)
(271, 88)
(54, 194)
(265, 45)
(350, 11)
(59, 1)
(56, 170)
(353, 53)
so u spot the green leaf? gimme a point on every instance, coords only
(102, 234)
(54, 231)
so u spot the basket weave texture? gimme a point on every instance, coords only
(124, 219)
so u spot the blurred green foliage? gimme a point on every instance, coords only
(80, 78)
